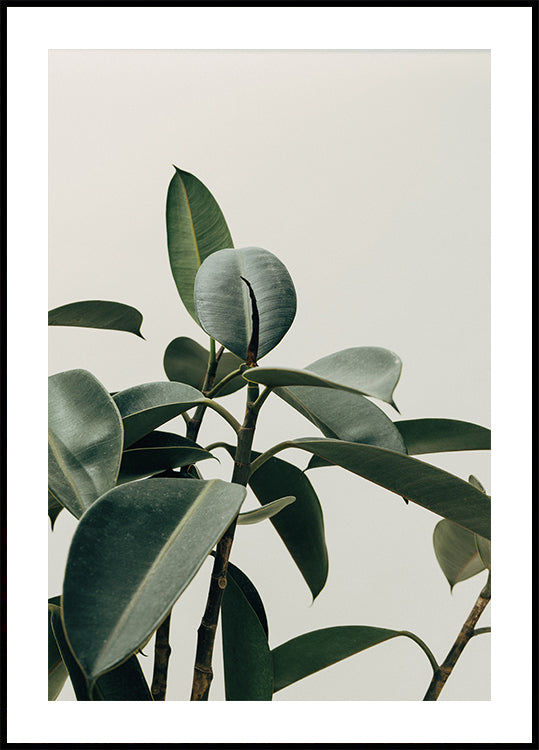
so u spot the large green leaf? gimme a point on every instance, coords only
(456, 551)
(438, 435)
(156, 452)
(250, 592)
(265, 512)
(196, 228)
(301, 524)
(98, 314)
(85, 439)
(185, 361)
(132, 555)
(424, 484)
(223, 301)
(124, 683)
(311, 652)
(57, 668)
(147, 406)
(246, 654)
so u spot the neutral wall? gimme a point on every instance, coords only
(367, 173)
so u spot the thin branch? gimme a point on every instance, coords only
(468, 630)
(423, 645)
(161, 657)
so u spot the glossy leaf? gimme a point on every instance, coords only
(456, 551)
(156, 452)
(125, 683)
(246, 655)
(185, 361)
(132, 555)
(147, 406)
(311, 652)
(424, 484)
(344, 416)
(85, 439)
(55, 508)
(267, 511)
(57, 668)
(251, 594)
(438, 435)
(301, 524)
(114, 316)
(223, 302)
(196, 228)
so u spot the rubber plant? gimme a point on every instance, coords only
(147, 519)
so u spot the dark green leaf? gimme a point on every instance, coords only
(311, 652)
(185, 361)
(196, 228)
(476, 483)
(98, 314)
(57, 668)
(426, 485)
(456, 552)
(132, 555)
(223, 301)
(267, 511)
(145, 407)
(55, 508)
(251, 594)
(156, 452)
(125, 683)
(85, 439)
(438, 435)
(246, 655)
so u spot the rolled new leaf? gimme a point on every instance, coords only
(440, 435)
(185, 361)
(196, 228)
(421, 483)
(267, 511)
(223, 299)
(132, 555)
(85, 440)
(114, 316)
(246, 655)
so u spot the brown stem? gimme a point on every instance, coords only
(161, 656)
(441, 675)
(203, 674)
(162, 648)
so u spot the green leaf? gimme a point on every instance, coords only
(367, 370)
(476, 483)
(147, 406)
(311, 652)
(85, 439)
(196, 228)
(185, 361)
(251, 594)
(432, 488)
(246, 655)
(156, 452)
(57, 668)
(456, 552)
(98, 313)
(125, 683)
(223, 302)
(55, 508)
(483, 549)
(301, 524)
(438, 435)
(267, 511)
(132, 555)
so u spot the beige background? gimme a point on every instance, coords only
(367, 173)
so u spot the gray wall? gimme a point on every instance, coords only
(367, 174)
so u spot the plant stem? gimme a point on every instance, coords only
(203, 674)
(162, 648)
(468, 630)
